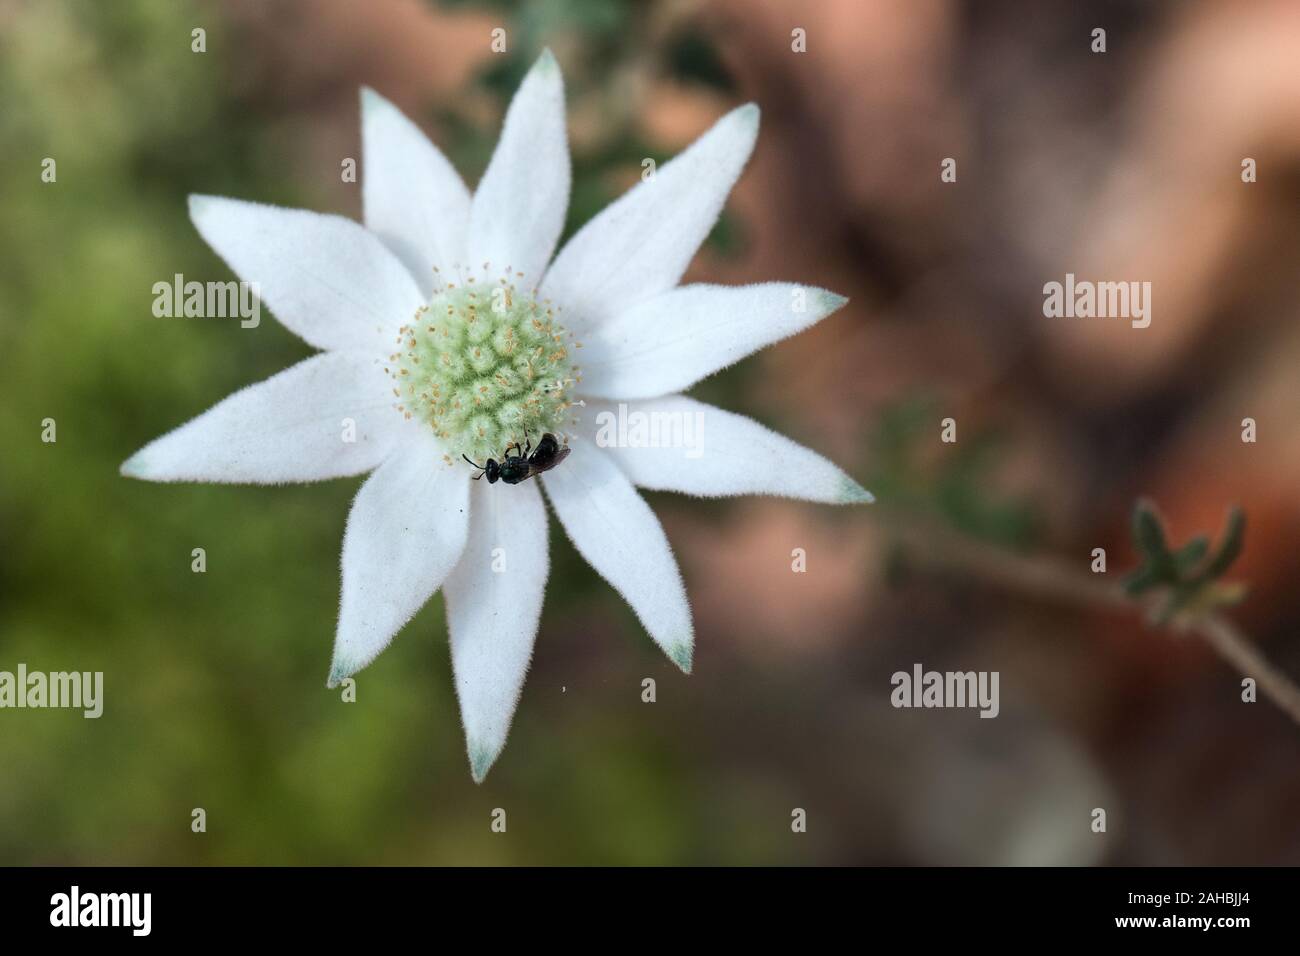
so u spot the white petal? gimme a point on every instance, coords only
(641, 243)
(616, 532)
(700, 449)
(413, 198)
(668, 343)
(295, 426)
(326, 278)
(519, 206)
(494, 602)
(405, 533)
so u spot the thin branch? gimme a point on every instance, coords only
(1234, 647)
(1049, 578)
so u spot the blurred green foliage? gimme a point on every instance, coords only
(952, 487)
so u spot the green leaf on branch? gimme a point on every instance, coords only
(1149, 536)
(1189, 555)
(1139, 581)
(1229, 548)
(1190, 579)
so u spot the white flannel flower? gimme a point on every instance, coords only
(444, 332)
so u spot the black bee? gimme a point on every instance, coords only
(516, 468)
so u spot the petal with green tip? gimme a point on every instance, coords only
(668, 343)
(494, 603)
(640, 245)
(619, 536)
(293, 427)
(405, 533)
(712, 452)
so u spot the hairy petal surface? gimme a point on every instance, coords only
(678, 444)
(494, 602)
(405, 533)
(414, 200)
(519, 207)
(327, 417)
(668, 343)
(619, 536)
(641, 243)
(328, 280)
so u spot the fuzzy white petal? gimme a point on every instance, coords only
(494, 602)
(414, 199)
(641, 243)
(717, 453)
(405, 533)
(619, 536)
(292, 427)
(326, 278)
(668, 343)
(518, 209)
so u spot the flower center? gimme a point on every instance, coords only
(485, 366)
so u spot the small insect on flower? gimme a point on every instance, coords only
(516, 468)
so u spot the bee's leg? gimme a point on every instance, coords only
(530, 444)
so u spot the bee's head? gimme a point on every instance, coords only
(492, 470)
